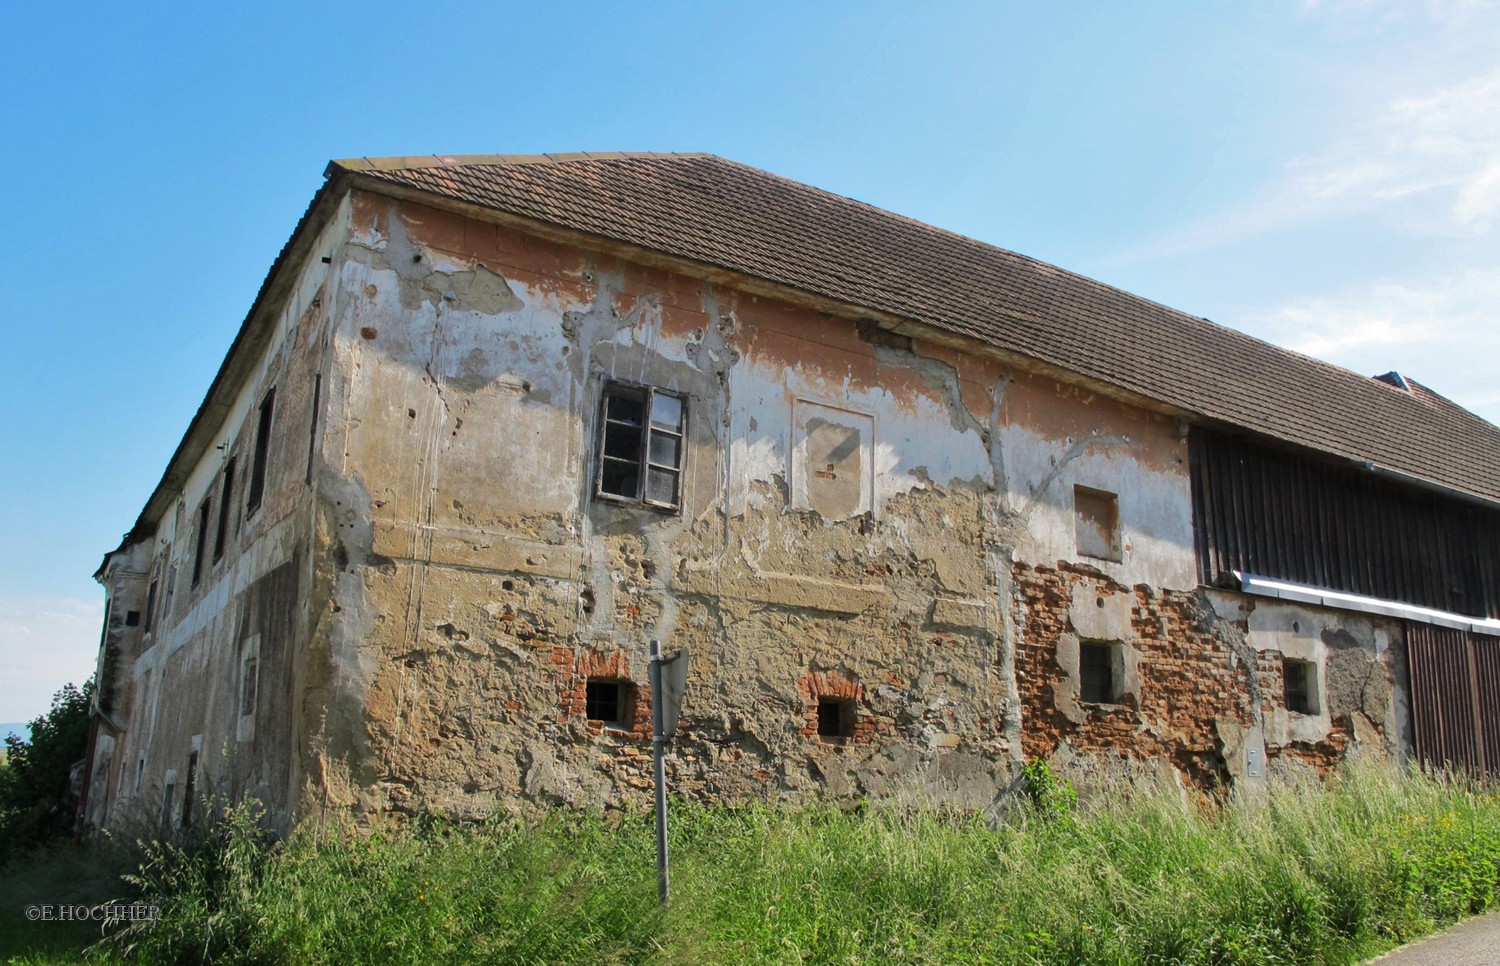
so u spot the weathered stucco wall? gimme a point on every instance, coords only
(202, 690)
(889, 560)
(864, 517)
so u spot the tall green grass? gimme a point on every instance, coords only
(1309, 873)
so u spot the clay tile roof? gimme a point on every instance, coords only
(710, 210)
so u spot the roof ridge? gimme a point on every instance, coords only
(408, 162)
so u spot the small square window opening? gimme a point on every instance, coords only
(835, 718)
(1098, 680)
(1097, 515)
(1301, 683)
(610, 701)
(642, 441)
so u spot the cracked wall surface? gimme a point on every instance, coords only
(863, 517)
(249, 605)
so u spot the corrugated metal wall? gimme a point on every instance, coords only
(1279, 514)
(1455, 697)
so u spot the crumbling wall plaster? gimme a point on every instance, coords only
(493, 579)
(181, 689)
(1057, 437)
(864, 517)
(861, 511)
(1355, 657)
(1203, 685)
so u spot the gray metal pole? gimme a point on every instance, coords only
(659, 756)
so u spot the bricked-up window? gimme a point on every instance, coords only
(248, 686)
(1097, 513)
(202, 543)
(262, 453)
(224, 504)
(1301, 683)
(312, 432)
(188, 791)
(168, 795)
(641, 445)
(610, 701)
(151, 605)
(835, 718)
(1097, 680)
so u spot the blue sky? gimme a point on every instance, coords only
(1325, 175)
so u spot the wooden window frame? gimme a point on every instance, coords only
(646, 431)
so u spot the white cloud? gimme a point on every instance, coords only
(1384, 12)
(1438, 155)
(45, 642)
(1479, 201)
(1441, 331)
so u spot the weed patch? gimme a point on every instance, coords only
(1310, 873)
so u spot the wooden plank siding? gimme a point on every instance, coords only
(1455, 698)
(1284, 515)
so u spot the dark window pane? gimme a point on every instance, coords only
(151, 606)
(607, 701)
(262, 453)
(1296, 676)
(620, 478)
(661, 486)
(835, 718)
(666, 450)
(622, 442)
(202, 543)
(225, 500)
(624, 409)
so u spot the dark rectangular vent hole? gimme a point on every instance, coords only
(608, 701)
(1096, 683)
(835, 718)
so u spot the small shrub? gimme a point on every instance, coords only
(1052, 796)
(36, 800)
(207, 887)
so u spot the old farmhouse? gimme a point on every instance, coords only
(918, 509)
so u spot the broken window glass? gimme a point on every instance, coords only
(641, 445)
